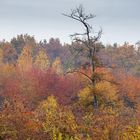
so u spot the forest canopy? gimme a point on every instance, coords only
(85, 90)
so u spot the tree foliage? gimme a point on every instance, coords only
(44, 97)
(42, 61)
(25, 59)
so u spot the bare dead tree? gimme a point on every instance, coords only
(89, 40)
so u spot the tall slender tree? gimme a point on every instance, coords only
(88, 40)
(57, 66)
(25, 59)
(42, 61)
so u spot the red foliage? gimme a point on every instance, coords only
(36, 85)
(129, 87)
(63, 87)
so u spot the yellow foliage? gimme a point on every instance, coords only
(25, 59)
(132, 133)
(86, 96)
(42, 61)
(7, 69)
(58, 121)
(107, 90)
(49, 105)
(57, 66)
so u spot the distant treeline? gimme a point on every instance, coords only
(126, 56)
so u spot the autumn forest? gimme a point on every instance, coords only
(84, 90)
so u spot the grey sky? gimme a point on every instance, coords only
(120, 19)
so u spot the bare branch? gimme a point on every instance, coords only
(96, 38)
(80, 72)
(88, 41)
(77, 34)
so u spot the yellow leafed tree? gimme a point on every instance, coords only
(25, 59)
(105, 91)
(42, 61)
(58, 121)
(57, 66)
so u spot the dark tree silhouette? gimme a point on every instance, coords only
(89, 40)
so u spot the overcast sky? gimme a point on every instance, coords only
(119, 19)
